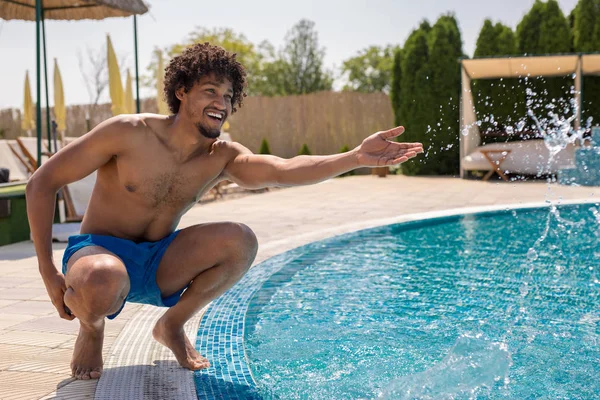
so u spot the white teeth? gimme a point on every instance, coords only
(215, 115)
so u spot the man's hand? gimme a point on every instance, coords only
(378, 151)
(56, 288)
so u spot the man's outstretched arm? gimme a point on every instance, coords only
(257, 171)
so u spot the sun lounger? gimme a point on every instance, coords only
(11, 158)
(77, 196)
(529, 157)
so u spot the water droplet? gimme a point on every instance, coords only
(532, 255)
(524, 289)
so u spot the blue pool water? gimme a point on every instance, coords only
(498, 305)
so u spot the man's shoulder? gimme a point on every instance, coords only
(231, 148)
(140, 121)
(130, 126)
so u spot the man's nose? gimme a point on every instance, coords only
(220, 104)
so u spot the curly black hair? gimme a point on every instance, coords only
(197, 61)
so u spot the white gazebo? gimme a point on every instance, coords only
(526, 157)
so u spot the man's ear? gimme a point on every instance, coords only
(179, 93)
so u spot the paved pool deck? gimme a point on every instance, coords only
(36, 345)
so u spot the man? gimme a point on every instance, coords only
(151, 170)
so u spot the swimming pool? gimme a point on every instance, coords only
(472, 305)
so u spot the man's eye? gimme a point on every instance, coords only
(210, 90)
(228, 96)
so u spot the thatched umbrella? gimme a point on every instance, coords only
(40, 10)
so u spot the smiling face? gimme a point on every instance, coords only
(207, 104)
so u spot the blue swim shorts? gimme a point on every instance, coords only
(141, 261)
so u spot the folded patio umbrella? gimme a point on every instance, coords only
(160, 87)
(60, 111)
(27, 122)
(129, 101)
(115, 84)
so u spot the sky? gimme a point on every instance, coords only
(344, 26)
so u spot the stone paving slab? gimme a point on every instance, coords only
(29, 307)
(49, 324)
(4, 303)
(7, 282)
(281, 219)
(9, 320)
(41, 339)
(21, 293)
(13, 353)
(55, 361)
(76, 390)
(29, 385)
(37, 283)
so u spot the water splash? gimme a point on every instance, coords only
(558, 133)
(564, 226)
(474, 365)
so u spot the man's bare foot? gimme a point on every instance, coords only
(87, 354)
(178, 342)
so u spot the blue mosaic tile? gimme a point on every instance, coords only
(221, 337)
(223, 326)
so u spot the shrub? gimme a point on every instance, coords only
(304, 151)
(264, 147)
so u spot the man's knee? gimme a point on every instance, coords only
(96, 284)
(241, 241)
(99, 270)
(247, 238)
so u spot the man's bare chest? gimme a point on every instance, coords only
(160, 182)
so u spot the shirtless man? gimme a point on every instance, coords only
(151, 170)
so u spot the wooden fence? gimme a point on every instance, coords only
(325, 121)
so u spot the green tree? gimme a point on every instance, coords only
(264, 147)
(586, 25)
(246, 53)
(586, 34)
(445, 48)
(528, 30)
(571, 19)
(555, 35)
(299, 67)
(416, 101)
(528, 41)
(545, 29)
(269, 81)
(487, 41)
(371, 70)
(395, 91)
(483, 89)
(498, 101)
(507, 41)
(508, 94)
(426, 92)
